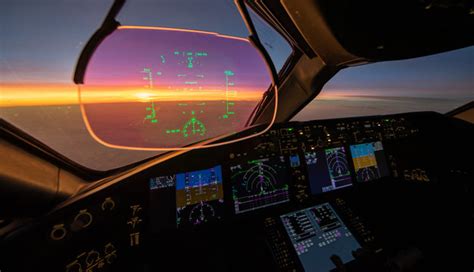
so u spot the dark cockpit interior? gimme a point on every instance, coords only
(301, 196)
(389, 192)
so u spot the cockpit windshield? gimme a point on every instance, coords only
(39, 97)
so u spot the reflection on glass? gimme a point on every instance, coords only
(156, 88)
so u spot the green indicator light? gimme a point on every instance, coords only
(290, 129)
(225, 116)
(154, 121)
(254, 161)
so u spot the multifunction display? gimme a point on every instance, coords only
(199, 196)
(369, 161)
(328, 169)
(317, 233)
(259, 183)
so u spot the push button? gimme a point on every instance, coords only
(58, 232)
(82, 220)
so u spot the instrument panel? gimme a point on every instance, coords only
(287, 200)
(289, 164)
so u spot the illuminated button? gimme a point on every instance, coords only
(108, 204)
(58, 232)
(82, 220)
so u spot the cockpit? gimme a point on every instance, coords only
(236, 136)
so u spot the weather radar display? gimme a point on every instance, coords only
(369, 161)
(199, 196)
(259, 183)
(328, 170)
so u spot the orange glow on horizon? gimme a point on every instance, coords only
(132, 94)
(14, 95)
(183, 30)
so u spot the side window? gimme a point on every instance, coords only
(440, 83)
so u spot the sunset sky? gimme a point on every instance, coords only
(41, 41)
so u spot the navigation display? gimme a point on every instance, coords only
(199, 196)
(259, 183)
(317, 233)
(328, 170)
(369, 161)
